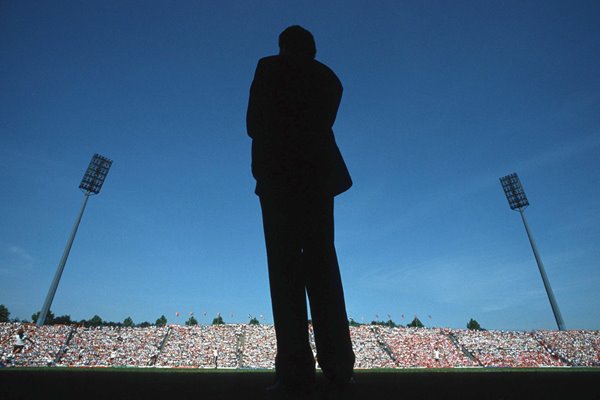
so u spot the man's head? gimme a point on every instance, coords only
(296, 40)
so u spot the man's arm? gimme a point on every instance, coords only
(255, 124)
(332, 96)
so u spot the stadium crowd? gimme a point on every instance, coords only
(215, 346)
(40, 350)
(424, 348)
(368, 350)
(259, 347)
(112, 347)
(506, 349)
(254, 346)
(580, 348)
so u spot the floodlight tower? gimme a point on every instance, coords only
(90, 184)
(518, 201)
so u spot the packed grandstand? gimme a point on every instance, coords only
(254, 347)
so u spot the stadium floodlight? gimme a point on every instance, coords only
(90, 184)
(514, 192)
(518, 201)
(95, 175)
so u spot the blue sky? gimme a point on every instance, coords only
(441, 99)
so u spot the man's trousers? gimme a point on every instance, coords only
(299, 236)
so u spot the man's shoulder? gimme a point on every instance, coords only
(316, 69)
(320, 66)
(306, 63)
(267, 66)
(269, 60)
(326, 71)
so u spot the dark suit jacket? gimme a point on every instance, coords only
(292, 107)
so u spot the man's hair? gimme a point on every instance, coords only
(297, 40)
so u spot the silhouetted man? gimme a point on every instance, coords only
(298, 169)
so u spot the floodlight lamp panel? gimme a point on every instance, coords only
(514, 192)
(95, 174)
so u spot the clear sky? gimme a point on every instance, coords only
(441, 98)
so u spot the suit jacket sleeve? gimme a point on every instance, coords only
(255, 121)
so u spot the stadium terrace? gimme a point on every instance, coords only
(238, 346)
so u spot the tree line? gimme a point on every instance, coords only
(415, 323)
(97, 321)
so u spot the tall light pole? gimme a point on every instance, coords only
(90, 184)
(518, 201)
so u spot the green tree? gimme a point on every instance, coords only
(95, 321)
(49, 317)
(253, 321)
(4, 313)
(191, 321)
(162, 321)
(62, 320)
(144, 324)
(218, 320)
(128, 322)
(389, 323)
(416, 323)
(473, 325)
(352, 322)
